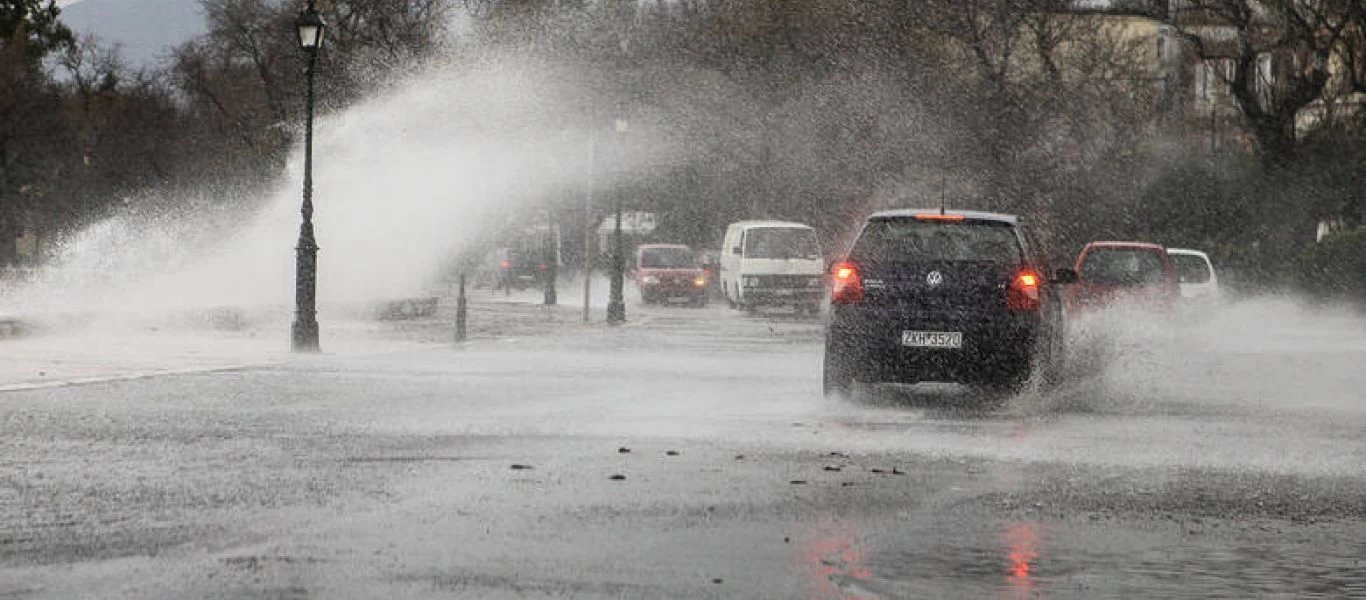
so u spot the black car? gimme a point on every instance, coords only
(933, 295)
(515, 269)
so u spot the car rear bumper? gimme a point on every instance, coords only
(869, 343)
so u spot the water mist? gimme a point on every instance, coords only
(403, 182)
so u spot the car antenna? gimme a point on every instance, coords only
(941, 193)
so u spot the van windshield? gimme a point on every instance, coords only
(781, 243)
(1191, 268)
(914, 240)
(666, 258)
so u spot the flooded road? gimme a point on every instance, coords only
(690, 455)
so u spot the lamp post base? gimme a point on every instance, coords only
(551, 298)
(305, 336)
(616, 312)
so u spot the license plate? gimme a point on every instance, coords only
(932, 339)
(785, 292)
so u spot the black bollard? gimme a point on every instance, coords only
(461, 308)
(551, 243)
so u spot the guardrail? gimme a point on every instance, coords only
(20, 274)
(10, 328)
(407, 308)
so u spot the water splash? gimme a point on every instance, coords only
(403, 182)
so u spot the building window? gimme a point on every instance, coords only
(1213, 79)
(1203, 75)
(1265, 77)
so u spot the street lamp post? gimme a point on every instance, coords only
(589, 228)
(305, 329)
(616, 304)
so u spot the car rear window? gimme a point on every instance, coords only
(666, 258)
(1122, 266)
(781, 243)
(1191, 268)
(914, 240)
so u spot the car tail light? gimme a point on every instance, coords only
(1023, 293)
(542, 267)
(505, 265)
(846, 285)
(700, 282)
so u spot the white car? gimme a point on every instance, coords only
(1199, 283)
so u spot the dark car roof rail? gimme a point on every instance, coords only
(1121, 244)
(971, 215)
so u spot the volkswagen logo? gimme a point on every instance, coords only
(934, 278)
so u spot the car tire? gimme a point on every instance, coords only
(1006, 384)
(1050, 358)
(1053, 367)
(837, 382)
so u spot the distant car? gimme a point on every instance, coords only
(1196, 277)
(513, 269)
(710, 261)
(938, 296)
(670, 272)
(1136, 275)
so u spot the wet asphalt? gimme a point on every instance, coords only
(691, 455)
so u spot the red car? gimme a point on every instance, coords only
(1134, 274)
(670, 272)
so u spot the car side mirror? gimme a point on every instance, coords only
(1065, 276)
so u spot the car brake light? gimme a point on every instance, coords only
(542, 267)
(938, 217)
(505, 265)
(846, 285)
(1023, 293)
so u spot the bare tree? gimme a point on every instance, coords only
(1353, 52)
(1298, 36)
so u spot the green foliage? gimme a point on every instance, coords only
(1335, 269)
(36, 21)
(1330, 169)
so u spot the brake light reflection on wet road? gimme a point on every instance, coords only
(832, 555)
(1022, 552)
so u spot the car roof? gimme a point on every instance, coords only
(974, 215)
(1188, 252)
(1133, 245)
(753, 224)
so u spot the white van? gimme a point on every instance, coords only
(1199, 283)
(772, 263)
